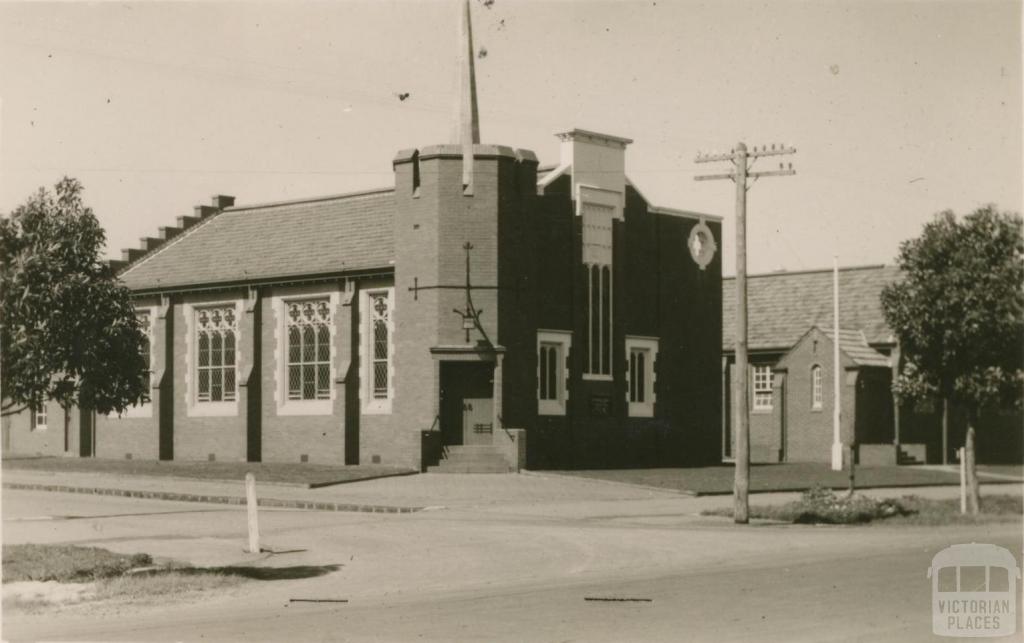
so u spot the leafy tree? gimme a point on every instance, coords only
(959, 315)
(68, 330)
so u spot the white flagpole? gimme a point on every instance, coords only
(837, 444)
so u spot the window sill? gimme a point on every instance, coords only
(816, 409)
(550, 407)
(762, 411)
(213, 409)
(641, 410)
(591, 377)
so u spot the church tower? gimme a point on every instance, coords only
(453, 202)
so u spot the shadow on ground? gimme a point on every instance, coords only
(294, 572)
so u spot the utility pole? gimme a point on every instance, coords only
(837, 371)
(743, 161)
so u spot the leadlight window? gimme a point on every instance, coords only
(762, 387)
(309, 349)
(638, 360)
(216, 335)
(816, 387)
(380, 317)
(549, 370)
(146, 326)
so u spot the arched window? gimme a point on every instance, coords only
(815, 387)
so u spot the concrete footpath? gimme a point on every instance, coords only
(526, 493)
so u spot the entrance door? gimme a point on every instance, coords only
(477, 420)
(464, 385)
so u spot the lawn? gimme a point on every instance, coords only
(778, 477)
(120, 577)
(302, 474)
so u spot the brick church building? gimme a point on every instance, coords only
(480, 314)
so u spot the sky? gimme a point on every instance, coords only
(898, 110)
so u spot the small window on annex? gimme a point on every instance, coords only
(762, 388)
(37, 417)
(816, 396)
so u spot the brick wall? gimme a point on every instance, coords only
(808, 432)
(197, 436)
(22, 439)
(658, 291)
(318, 432)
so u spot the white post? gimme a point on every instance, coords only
(963, 480)
(250, 501)
(837, 444)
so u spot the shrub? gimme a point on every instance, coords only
(820, 505)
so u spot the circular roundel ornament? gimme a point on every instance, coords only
(701, 244)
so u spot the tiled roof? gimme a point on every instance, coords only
(855, 345)
(277, 240)
(782, 306)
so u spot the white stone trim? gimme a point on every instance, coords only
(367, 403)
(209, 409)
(604, 197)
(282, 404)
(650, 345)
(563, 338)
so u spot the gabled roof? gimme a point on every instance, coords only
(329, 235)
(855, 346)
(783, 305)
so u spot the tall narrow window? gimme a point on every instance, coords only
(216, 330)
(762, 388)
(146, 326)
(597, 259)
(641, 355)
(816, 387)
(379, 315)
(376, 352)
(309, 349)
(552, 371)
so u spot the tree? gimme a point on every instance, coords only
(68, 330)
(958, 313)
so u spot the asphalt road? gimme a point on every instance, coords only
(518, 578)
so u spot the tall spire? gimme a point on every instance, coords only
(469, 119)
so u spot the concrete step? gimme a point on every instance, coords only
(446, 467)
(471, 458)
(472, 448)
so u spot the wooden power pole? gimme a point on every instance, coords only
(743, 162)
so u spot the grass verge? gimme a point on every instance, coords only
(822, 506)
(67, 574)
(66, 563)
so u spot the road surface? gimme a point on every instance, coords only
(502, 575)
